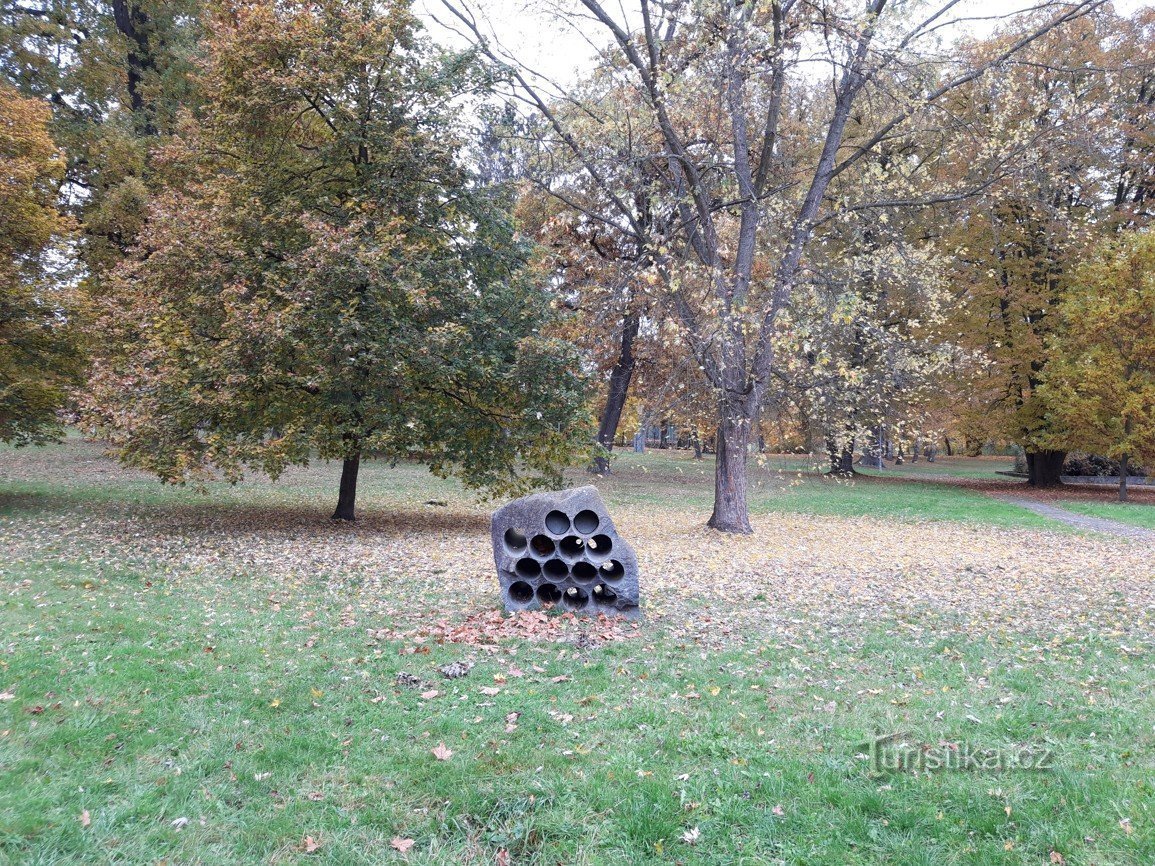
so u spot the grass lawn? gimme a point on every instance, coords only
(214, 678)
(796, 484)
(1135, 513)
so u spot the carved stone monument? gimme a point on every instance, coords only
(562, 549)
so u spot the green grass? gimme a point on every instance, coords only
(789, 484)
(1135, 513)
(241, 699)
(142, 701)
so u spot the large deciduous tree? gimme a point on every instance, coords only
(721, 86)
(1100, 382)
(322, 275)
(38, 360)
(1078, 110)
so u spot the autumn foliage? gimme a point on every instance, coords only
(38, 357)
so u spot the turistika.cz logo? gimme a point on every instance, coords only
(898, 753)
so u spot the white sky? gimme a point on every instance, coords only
(530, 31)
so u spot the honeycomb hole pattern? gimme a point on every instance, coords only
(548, 593)
(572, 547)
(557, 522)
(514, 540)
(520, 591)
(584, 572)
(586, 522)
(599, 546)
(604, 594)
(527, 567)
(564, 556)
(612, 570)
(555, 569)
(575, 598)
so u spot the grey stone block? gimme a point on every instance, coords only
(562, 549)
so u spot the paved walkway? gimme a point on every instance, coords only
(1080, 521)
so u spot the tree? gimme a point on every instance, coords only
(115, 74)
(1075, 111)
(720, 84)
(1100, 382)
(322, 275)
(38, 357)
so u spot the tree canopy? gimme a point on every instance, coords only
(38, 356)
(321, 274)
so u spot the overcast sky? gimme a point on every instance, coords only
(530, 31)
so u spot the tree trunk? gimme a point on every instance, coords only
(841, 458)
(731, 513)
(697, 442)
(1124, 468)
(134, 25)
(1045, 468)
(347, 498)
(620, 377)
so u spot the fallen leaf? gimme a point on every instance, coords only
(310, 844)
(778, 810)
(442, 753)
(399, 844)
(179, 823)
(85, 818)
(691, 836)
(490, 691)
(1125, 823)
(430, 695)
(1056, 857)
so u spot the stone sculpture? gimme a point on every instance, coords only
(562, 549)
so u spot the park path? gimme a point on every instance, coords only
(1079, 521)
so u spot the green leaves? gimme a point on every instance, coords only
(333, 281)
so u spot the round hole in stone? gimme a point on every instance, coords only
(542, 545)
(555, 569)
(527, 567)
(514, 540)
(586, 521)
(557, 523)
(547, 593)
(572, 546)
(612, 570)
(520, 591)
(604, 594)
(575, 598)
(600, 546)
(584, 571)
